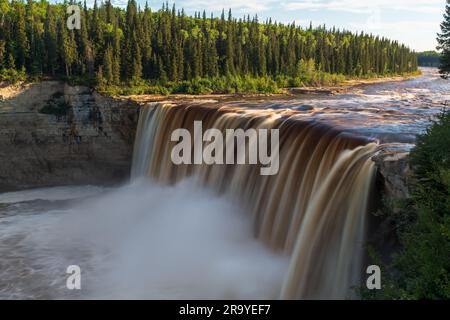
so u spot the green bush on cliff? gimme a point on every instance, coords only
(220, 84)
(12, 76)
(425, 260)
(56, 105)
(421, 269)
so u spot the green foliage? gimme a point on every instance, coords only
(421, 269)
(444, 43)
(140, 89)
(56, 106)
(138, 48)
(217, 85)
(428, 58)
(12, 75)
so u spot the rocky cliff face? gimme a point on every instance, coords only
(394, 170)
(55, 134)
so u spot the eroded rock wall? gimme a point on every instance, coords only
(81, 138)
(55, 134)
(394, 171)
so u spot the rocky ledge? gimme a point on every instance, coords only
(394, 170)
(55, 134)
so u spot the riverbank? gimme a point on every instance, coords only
(339, 88)
(349, 84)
(9, 91)
(145, 93)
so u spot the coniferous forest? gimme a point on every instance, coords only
(168, 51)
(428, 58)
(444, 43)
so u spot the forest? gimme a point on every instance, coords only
(428, 59)
(137, 50)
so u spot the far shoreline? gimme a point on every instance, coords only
(340, 88)
(9, 91)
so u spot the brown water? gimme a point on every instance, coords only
(197, 231)
(313, 210)
(390, 112)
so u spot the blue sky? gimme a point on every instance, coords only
(413, 22)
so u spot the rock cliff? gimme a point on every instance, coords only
(394, 170)
(55, 134)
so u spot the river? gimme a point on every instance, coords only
(146, 240)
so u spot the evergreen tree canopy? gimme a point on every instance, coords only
(133, 44)
(444, 43)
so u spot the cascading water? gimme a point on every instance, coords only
(313, 210)
(226, 232)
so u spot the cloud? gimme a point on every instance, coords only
(248, 6)
(418, 35)
(367, 6)
(398, 26)
(119, 3)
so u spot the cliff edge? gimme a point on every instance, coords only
(55, 134)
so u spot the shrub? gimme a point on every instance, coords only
(57, 108)
(12, 75)
(421, 269)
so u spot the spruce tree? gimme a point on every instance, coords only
(20, 36)
(135, 44)
(2, 53)
(116, 54)
(67, 47)
(51, 62)
(136, 63)
(444, 43)
(108, 72)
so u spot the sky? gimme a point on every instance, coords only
(412, 22)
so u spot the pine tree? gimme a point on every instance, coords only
(108, 67)
(2, 53)
(134, 44)
(136, 65)
(51, 62)
(444, 43)
(116, 54)
(20, 36)
(85, 52)
(100, 78)
(67, 47)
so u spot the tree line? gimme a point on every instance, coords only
(444, 44)
(428, 59)
(117, 46)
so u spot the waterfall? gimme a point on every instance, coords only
(313, 210)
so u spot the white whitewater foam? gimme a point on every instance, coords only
(139, 241)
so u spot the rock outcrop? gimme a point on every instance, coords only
(55, 134)
(394, 170)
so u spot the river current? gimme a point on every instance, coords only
(146, 240)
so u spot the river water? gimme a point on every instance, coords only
(143, 240)
(389, 112)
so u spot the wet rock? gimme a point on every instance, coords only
(305, 107)
(394, 170)
(324, 91)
